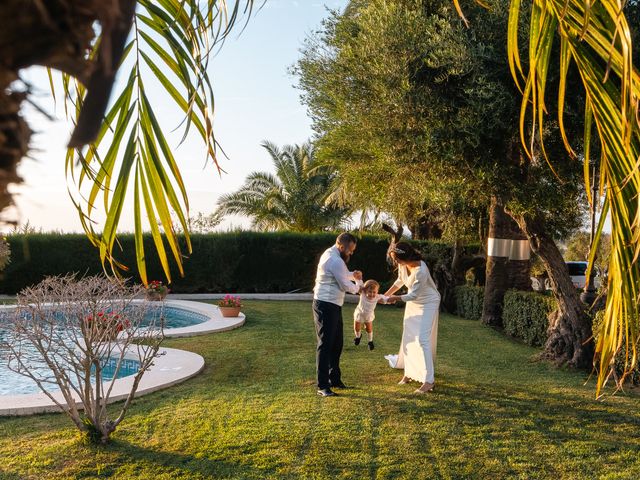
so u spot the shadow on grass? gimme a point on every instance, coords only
(552, 415)
(184, 465)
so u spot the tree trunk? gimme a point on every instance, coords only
(501, 228)
(14, 140)
(424, 228)
(52, 33)
(569, 330)
(519, 268)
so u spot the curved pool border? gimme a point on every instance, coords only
(171, 367)
(215, 321)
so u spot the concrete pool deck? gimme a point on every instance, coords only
(286, 297)
(215, 323)
(171, 367)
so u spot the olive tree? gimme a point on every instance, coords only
(412, 106)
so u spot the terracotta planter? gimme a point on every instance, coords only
(229, 311)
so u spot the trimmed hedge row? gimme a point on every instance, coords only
(525, 316)
(469, 301)
(246, 262)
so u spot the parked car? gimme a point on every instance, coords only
(578, 273)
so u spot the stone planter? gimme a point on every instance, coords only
(229, 311)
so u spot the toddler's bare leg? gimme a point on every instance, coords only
(368, 326)
(357, 326)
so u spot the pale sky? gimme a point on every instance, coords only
(255, 100)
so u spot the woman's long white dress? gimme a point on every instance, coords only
(420, 326)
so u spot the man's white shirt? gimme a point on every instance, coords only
(333, 278)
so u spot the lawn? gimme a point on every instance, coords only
(253, 414)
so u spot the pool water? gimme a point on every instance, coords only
(127, 367)
(12, 383)
(176, 317)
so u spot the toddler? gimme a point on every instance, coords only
(365, 311)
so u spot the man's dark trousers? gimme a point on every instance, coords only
(328, 319)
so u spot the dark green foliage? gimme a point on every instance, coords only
(469, 301)
(525, 316)
(438, 253)
(246, 262)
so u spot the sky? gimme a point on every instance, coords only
(255, 101)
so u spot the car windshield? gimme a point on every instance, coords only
(577, 269)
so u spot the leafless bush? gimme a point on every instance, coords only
(64, 331)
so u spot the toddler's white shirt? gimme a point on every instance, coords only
(367, 307)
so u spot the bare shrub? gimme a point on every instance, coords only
(65, 332)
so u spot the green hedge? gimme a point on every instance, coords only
(525, 316)
(246, 262)
(469, 301)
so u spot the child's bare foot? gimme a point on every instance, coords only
(404, 380)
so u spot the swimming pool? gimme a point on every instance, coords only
(12, 383)
(19, 395)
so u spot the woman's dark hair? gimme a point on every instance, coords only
(404, 251)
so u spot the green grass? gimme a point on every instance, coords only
(253, 414)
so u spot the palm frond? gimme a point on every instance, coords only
(170, 44)
(596, 38)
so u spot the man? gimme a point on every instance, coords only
(333, 279)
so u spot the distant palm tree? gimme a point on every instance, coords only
(298, 197)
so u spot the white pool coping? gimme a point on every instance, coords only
(171, 367)
(215, 323)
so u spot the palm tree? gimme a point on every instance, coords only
(296, 198)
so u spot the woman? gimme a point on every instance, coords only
(420, 326)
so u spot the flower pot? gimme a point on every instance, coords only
(229, 311)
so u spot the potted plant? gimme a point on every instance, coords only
(230, 306)
(156, 291)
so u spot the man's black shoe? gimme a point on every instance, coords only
(326, 392)
(371, 347)
(356, 340)
(339, 384)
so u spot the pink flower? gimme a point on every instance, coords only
(230, 301)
